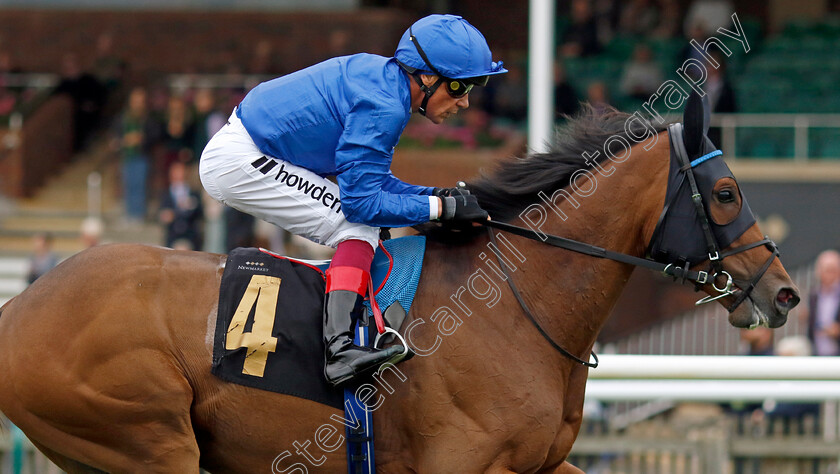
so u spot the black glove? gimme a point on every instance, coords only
(461, 208)
(459, 190)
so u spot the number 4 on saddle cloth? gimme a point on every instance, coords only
(269, 332)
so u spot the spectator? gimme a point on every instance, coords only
(824, 306)
(709, 15)
(108, 68)
(566, 101)
(510, 98)
(791, 346)
(669, 20)
(581, 38)
(7, 63)
(214, 224)
(754, 342)
(263, 61)
(639, 17)
(43, 259)
(641, 76)
(8, 101)
(135, 135)
(239, 229)
(339, 43)
(597, 96)
(759, 341)
(178, 138)
(208, 120)
(88, 98)
(696, 32)
(607, 15)
(181, 211)
(794, 346)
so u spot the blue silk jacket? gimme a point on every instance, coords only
(343, 118)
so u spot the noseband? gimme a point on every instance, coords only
(672, 269)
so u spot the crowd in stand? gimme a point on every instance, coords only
(159, 131)
(159, 127)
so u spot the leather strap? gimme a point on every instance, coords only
(533, 319)
(598, 252)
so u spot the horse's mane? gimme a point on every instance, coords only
(514, 183)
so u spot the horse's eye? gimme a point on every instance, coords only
(725, 196)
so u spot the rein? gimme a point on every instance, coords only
(668, 270)
(528, 312)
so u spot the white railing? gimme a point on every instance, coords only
(621, 378)
(713, 444)
(215, 81)
(29, 80)
(800, 123)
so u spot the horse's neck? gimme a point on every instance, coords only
(570, 294)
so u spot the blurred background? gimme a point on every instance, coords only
(77, 168)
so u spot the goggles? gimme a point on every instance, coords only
(456, 88)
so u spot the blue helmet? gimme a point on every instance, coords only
(447, 45)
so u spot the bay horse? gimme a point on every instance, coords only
(105, 361)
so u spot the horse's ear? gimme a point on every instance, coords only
(696, 119)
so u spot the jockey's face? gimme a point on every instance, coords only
(442, 105)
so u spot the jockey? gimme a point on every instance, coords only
(343, 118)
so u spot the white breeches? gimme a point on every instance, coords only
(235, 172)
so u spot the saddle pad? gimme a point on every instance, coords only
(269, 327)
(396, 271)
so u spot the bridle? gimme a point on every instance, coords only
(714, 253)
(673, 270)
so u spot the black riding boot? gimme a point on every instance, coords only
(345, 360)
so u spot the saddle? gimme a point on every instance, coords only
(269, 332)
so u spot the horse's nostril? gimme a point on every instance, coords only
(787, 298)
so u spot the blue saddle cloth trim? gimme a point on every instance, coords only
(395, 273)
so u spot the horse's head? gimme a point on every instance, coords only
(706, 223)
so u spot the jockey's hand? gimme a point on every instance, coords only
(463, 208)
(460, 190)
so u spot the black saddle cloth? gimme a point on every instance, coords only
(268, 302)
